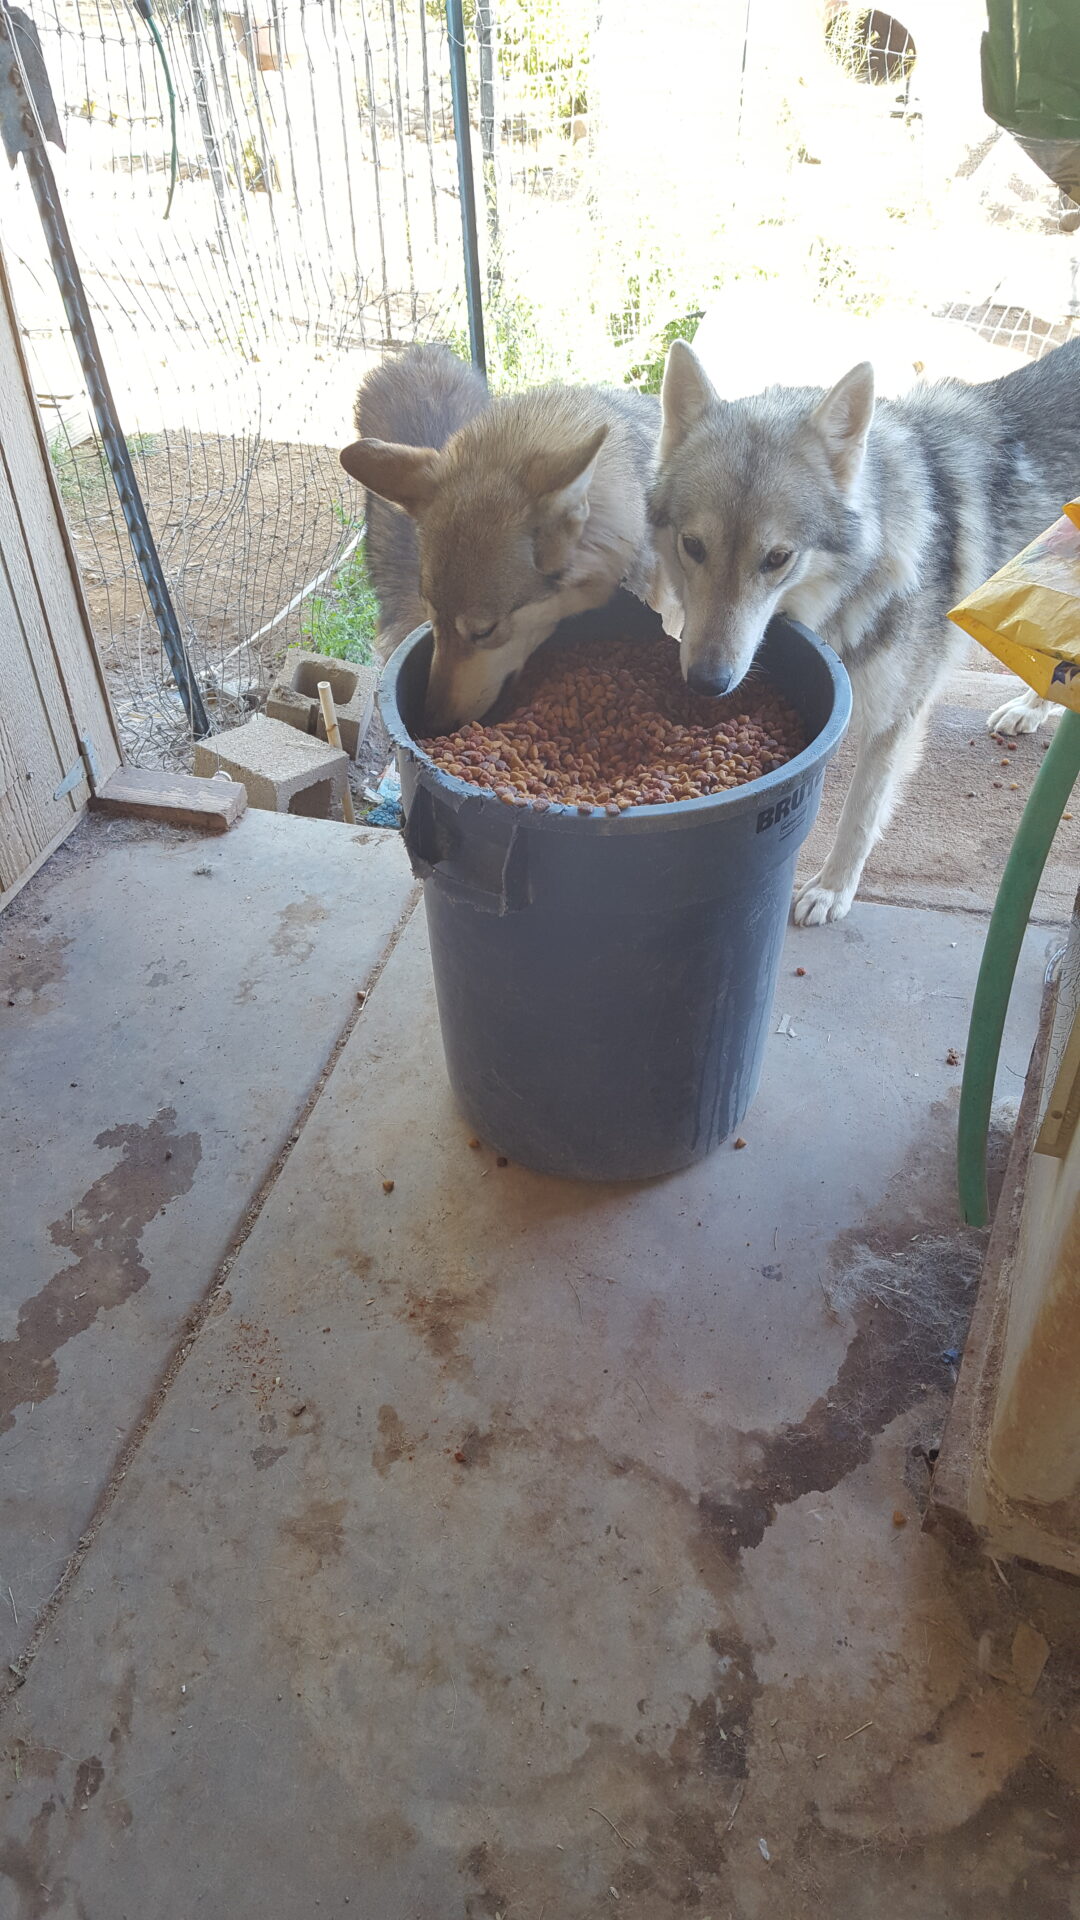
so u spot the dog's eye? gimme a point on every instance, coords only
(774, 560)
(693, 548)
(485, 633)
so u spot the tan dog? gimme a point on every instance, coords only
(532, 510)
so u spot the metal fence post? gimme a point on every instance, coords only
(459, 94)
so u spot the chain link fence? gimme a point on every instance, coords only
(788, 168)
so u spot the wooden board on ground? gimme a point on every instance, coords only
(180, 799)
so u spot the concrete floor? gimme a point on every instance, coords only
(947, 845)
(168, 1003)
(493, 1546)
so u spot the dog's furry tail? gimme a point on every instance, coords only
(417, 399)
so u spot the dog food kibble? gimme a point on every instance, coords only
(611, 724)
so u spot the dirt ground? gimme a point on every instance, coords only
(241, 526)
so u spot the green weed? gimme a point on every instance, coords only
(83, 472)
(344, 621)
(648, 374)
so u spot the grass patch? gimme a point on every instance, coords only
(83, 472)
(344, 621)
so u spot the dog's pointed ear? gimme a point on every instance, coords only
(843, 419)
(405, 476)
(560, 483)
(686, 394)
(560, 480)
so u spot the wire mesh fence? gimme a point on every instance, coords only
(788, 168)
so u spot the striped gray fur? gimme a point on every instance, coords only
(881, 519)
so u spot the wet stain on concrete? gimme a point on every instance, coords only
(715, 1739)
(26, 1866)
(125, 1707)
(265, 1456)
(294, 939)
(910, 1275)
(889, 1362)
(442, 1316)
(31, 962)
(103, 1230)
(32, 1761)
(393, 1441)
(475, 1449)
(319, 1532)
(1013, 1859)
(491, 1897)
(672, 1819)
(88, 1778)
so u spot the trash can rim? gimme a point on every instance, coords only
(562, 818)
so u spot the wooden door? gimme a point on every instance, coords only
(57, 729)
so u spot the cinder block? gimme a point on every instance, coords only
(281, 770)
(294, 696)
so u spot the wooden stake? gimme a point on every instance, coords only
(326, 701)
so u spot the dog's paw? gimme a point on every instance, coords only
(1018, 715)
(815, 904)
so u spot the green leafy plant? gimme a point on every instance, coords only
(648, 374)
(344, 621)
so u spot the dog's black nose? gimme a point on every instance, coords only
(712, 681)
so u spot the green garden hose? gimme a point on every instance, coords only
(1008, 923)
(144, 9)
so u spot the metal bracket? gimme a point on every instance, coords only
(86, 768)
(22, 62)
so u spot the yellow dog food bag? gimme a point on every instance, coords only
(1029, 613)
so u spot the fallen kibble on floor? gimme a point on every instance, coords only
(388, 1186)
(899, 1519)
(502, 1161)
(474, 1144)
(460, 1457)
(740, 1142)
(952, 1058)
(1066, 816)
(800, 973)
